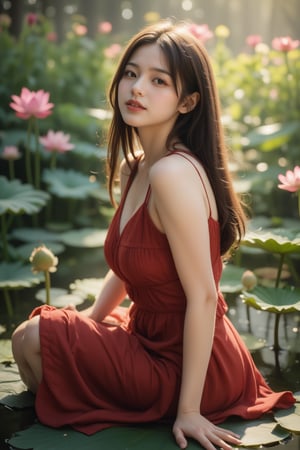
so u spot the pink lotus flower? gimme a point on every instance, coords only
(79, 29)
(291, 180)
(51, 36)
(31, 19)
(31, 104)
(56, 142)
(284, 44)
(10, 153)
(201, 32)
(112, 51)
(253, 39)
(104, 27)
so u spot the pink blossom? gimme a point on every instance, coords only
(31, 19)
(291, 180)
(56, 142)
(10, 153)
(253, 39)
(104, 27)
(201, 32)
(31, 104)
(51, 36)
(112, 51)
(284, 44)
(80, 30)
(273, 94)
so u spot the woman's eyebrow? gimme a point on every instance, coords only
(152, 69)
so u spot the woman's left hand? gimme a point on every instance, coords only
(210, 436)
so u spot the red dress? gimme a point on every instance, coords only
(96, 375)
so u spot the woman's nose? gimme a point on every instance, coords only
(137, 89)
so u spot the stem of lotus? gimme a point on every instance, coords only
(37, 156)
(276, 332)
(47, 286)
(4, 237)
(281, 260)
(8, 303)
(27, 155)
(11, 169)
(53, 161)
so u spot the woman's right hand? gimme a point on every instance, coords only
(208, 435)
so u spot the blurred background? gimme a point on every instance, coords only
(243, 17)
(57, 58)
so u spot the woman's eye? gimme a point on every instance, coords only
(159, 81)
(129, 73)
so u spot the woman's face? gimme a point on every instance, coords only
(146, 92)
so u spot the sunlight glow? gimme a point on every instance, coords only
(127, 13)
(187, 5)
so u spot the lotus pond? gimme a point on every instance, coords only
(82, 268)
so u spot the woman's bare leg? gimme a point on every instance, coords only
(27, 353)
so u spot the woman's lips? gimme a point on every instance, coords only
(134, 105)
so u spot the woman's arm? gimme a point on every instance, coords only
(182, 210)
(112, 294)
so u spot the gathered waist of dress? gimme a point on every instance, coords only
(168, 308)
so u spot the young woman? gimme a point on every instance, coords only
(174, 355)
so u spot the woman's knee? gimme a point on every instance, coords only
(31, 335)
(17, 338)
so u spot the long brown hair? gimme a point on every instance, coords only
(200, 130)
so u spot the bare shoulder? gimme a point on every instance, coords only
(175, 168)
(177, 177)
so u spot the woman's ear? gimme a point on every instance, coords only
(189, 103)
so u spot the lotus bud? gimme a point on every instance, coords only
(249, 280)
(43, 260)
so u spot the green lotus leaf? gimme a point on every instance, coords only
(58, 227)
(231, 279)
(58, 297)
(256, 433)
(252, 342)
(101, 194)
(24, 399)
(275, 224)
(86, 237)
(272, 136)
(273, 242)
(259, 222)
(146, 437)
(39, 437)
(271, 299)
(15, 275)
(68, 183)
(87, 288)
(15, 137)
(87, 150)
(37, 236)
(289, 418)
(18, 198)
